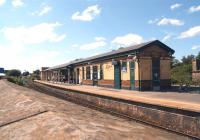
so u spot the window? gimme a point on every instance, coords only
(101, 71)
(88, 72)
(83, 73)
(124, 66)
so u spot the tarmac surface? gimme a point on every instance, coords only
(184, 101)
(26, 114)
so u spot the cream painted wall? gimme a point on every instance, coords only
(80, 74)
(126, 75)
(108, 70)
(165, 69)
(136, 71)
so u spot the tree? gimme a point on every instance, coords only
(14, 73)
(25, 73)
(187, 59)
(198, 56)
(36, 74)
(182, 75)
(175, 62)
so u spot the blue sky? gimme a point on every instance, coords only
(35, 33)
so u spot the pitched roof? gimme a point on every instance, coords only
(111, 53)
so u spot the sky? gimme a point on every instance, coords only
(36, 33)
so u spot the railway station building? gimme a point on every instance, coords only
(145, 66)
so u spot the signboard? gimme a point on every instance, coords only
(124, 69)
(114, 62)
(2, 70)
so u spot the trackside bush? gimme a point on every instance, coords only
(16, 80)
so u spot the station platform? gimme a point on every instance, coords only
(183, 101)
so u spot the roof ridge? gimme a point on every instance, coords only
(110, 53)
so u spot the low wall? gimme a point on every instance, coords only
(181, 121)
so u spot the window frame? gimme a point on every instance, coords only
(124, 66)
(88, 73)
(83, 73)
(101, 72)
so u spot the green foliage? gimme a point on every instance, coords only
(182, 71)
(26, 73)
(14, 73)
(16, 80)
(187, 59)
(175, 62)
(198, 56)
(182, 74)
(35, 75)
(36, 72)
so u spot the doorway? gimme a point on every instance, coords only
(117, 76)
(95, 75)
(156, 74)
(77, 76)
(132, 75)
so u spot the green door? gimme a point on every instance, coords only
(132, 75)
(117, 76)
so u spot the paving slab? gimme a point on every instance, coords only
(15, 106)
(66, 120)
(184, 101)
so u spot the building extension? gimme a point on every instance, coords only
(196, 70)
(146, 66)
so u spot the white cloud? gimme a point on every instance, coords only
(194, 31)
(2, 2)
(165, 38)
(99, 42)
(153, 21)
(175, 6)
(88, 14)
(36, 34)
(17, 53)
(46, 9)
(99, 39)
(17, 3)
(97, 53)
(128, 40)
(13, 57)
(195, 47)
(170, 21)
(75, 45)
(194, 9)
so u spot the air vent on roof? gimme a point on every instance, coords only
(78, 59)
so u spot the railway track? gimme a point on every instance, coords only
(62, 95)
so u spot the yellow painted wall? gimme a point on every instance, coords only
(84, 72)
(165, 69)
(146, 69)
(108, 71)
(136, 71)
(80, 74)
(126, 75)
